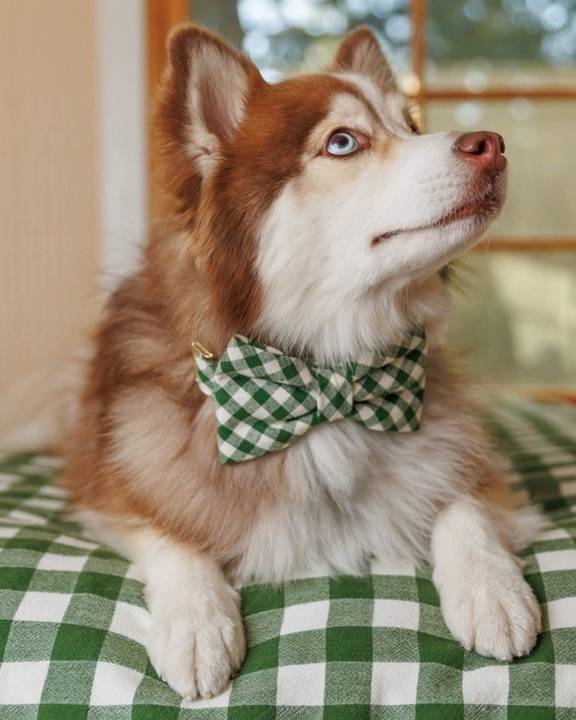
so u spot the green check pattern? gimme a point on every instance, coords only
(73, 621)
(264, 399)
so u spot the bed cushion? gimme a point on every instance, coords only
(73, 620)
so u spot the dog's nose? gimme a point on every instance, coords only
(484, 148)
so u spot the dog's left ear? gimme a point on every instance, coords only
(201, 103)
(360, 53)
(204, 94)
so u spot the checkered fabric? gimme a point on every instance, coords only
(264, 399)
(72, 618)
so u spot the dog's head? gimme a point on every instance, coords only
(314, 206)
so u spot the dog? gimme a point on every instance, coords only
(311, 219)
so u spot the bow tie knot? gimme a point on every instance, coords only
(334, 397)
(264, 399)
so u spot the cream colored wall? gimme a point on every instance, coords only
(49, 181)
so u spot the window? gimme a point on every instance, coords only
(507, 65)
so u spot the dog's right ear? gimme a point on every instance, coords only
(205, 91)
(360, 53)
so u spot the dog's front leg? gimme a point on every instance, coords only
(196, 639)
(486, 602)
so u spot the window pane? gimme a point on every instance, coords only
(516, 317)
(218, 15)
(479, 43)
(541, 174)
(283, 36)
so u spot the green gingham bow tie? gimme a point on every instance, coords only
(265, 399)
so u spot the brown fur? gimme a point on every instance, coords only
(140, 384)
(196, 283)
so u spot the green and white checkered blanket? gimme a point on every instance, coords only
(72, 618)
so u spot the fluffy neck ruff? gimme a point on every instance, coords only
(341, 334)
(369, 324)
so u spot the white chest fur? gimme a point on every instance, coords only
(352, 492)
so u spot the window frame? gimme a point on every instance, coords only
(423, 96)
(162, 15)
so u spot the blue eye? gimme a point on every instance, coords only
(342, 143)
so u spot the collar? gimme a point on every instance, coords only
(265, 400)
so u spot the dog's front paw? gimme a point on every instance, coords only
(196, 648)
(493, 613)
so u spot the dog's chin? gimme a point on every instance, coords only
(462, 230)
(424, 250)
(477, 213)
(455, 238)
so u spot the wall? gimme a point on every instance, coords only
(49, 182)
(72, 169)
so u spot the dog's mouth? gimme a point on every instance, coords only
(478, 209)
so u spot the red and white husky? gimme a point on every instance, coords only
(310, 215)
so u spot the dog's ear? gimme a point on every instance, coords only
(360, 53)
(206, 88)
